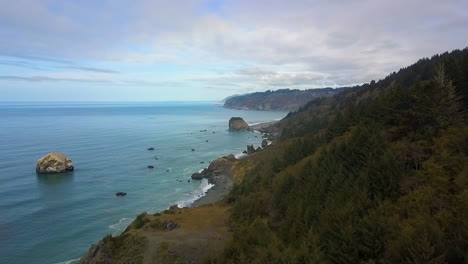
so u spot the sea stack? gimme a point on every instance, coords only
(54, 163)
(238, 124)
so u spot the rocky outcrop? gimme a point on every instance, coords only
(238, 124)
(231, 157)
(216, 168)
(120, 194)
(197, 176)
(97, 254)
(54, 163)
(250, 149)
(264, 143)
(200, 175)
(109, 250)
(169, 225)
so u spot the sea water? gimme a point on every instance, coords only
(55, 218)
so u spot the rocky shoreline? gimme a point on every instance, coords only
(264, 125)
(223, 182)
(221, 187)
(220, 174)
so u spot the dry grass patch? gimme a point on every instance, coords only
(200, 231)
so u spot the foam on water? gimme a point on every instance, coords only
(205, 186)
(120, 226)
(240, 155)
(71, 261)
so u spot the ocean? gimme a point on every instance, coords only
(55, 218)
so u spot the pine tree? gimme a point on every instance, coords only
(450, 102)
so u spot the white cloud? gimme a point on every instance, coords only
(264, 44)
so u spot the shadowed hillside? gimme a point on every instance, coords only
(375, 174)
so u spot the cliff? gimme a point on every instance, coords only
(277, 100)
(375, 174)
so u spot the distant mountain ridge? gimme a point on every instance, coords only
(283, 99)
(234, 95)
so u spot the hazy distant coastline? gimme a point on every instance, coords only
(283, 99)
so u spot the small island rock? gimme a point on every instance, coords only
(200, 175)
(54, 163)
(121, 194)
(197, 176)
(238, 124)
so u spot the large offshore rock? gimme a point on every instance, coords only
(238, 124)
(54, 163)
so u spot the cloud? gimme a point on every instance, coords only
(51, 79)
(42, 59)
(22, 64)
(255, 71)
(267, 77)
(229, 44)
(36, 63)
(91, 69)
(97, 81)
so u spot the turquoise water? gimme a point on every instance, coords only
(52, 219)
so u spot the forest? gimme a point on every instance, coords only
(283, 99)
(377, 173)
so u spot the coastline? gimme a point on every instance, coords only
(224, 182)
(263, 125)
(222, 185)
(219, 173)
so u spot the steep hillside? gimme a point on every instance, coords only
(375, 174)
(277, 100)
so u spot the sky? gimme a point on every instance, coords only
(203, 50)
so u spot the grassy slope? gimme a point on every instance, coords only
(201, 231)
